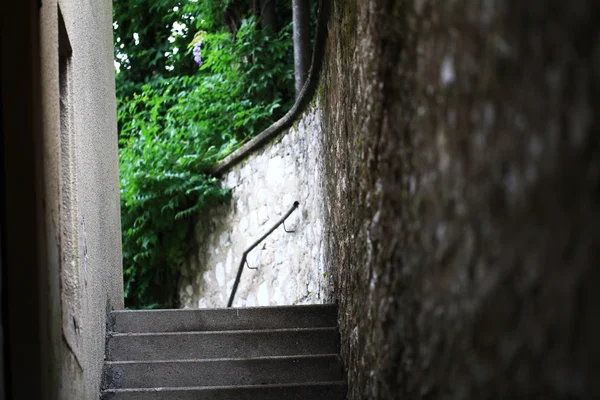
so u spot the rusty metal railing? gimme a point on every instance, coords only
(249, 249)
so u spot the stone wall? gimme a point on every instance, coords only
(462, 165)
(81, 189)
(291, 266)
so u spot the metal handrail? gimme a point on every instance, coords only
(249, 249)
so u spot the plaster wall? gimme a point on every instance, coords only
(291, 267)
(81, 187)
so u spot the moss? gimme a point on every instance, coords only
(321, 92)
(349, 22)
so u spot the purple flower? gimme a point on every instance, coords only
(198, 53)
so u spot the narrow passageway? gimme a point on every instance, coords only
(445, 159)
(190, 229)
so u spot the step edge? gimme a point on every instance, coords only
(209, 360)
(224, 309)
(232, 387)
(230, 331)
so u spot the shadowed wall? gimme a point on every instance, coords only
(463, 177)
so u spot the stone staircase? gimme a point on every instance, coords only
(259, 353)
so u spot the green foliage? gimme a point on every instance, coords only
(176, 120)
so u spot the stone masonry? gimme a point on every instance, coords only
(291, 267)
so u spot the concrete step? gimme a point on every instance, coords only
(223, 344)
(248, 318)
(305, 391)
(221, 372)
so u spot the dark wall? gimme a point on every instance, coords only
(25, 343)
(463, 164)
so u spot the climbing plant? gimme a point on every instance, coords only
(195, 79)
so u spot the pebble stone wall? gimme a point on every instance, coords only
(290, 266)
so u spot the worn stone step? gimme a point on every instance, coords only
(223, 344)
(217, 319)
(305, 391)
(221, 372)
